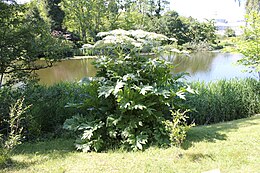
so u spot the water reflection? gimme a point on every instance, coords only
(194, 63)
(67, 70)
(202, 66)
(210, 66)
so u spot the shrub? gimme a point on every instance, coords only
(48, 111)
(133, 100)
(229, 32)
(224, 100)
(178, 127)
(130, 107)
(11, 135)
(8, 97)
(215, 102)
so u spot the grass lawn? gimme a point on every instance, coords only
(230, 147)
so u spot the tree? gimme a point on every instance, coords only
(88, 18)
(184, 29)
(160, 6)
(249, 46)
(229, 32)
(150, 7)
(113, 13)
(176, 27)
(54, 13)
(252, 5)
(24, 39)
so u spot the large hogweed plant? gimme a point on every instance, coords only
(132, 105)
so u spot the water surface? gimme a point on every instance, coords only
(202, 66)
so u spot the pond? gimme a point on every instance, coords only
(202, 66)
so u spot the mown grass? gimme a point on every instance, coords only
(231, 147)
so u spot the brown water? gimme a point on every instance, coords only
(67, 70)
(202, 66)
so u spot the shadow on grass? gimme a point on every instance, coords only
(46, 147)
(39, 152)
(197, 157)
(17, 165)
(211, 133)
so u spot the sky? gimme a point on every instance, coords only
(201, 9)
(209, 9)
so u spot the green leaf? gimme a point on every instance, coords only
(83, 147)
(126, 132)
(118, 86)
(97, 144)
(139, 145)
(105, 91)
(190, 90)
(87, 134)
(145, 89)
(129, 77)
(112, 133)
(83, 126)
(141, 140)
(139, 106)
(125, 105)
(181, 95)
(112, 120)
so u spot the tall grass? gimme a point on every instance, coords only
(224, 100)
(219, 101)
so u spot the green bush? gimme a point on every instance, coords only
(129, 109)
(48, 110)
(219, 101)
(8, 97)
(224, 100)
(11, 134)
(229, 32)
(132, 96)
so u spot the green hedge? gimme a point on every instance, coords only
(48, 110)
(219, 101)
(224, 100)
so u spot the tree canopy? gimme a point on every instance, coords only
(24, 39)
(252, 5)
(249, 45)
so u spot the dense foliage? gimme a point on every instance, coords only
(249, 45)
(12, 133)
(215, 102)
(132, 103)
(87, 18)
(51, 12)
(24, 39)
(80, 19)
(48, 110)
(185, 30)
(224, 100)
(229, 32)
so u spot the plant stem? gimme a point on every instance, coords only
(1, 80)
